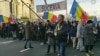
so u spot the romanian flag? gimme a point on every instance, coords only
(50, 16)
(5, 19)
(95, 21)
(78, 13)
(10, 20)
(1, 18)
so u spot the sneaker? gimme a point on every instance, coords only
(58, 55)
(31, 47)
(82, 50)
(41, 43)
(87, 54)
(91, 52)
(25, 47)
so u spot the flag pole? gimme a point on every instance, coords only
(66, 10)
(45, 1)
(32, 10)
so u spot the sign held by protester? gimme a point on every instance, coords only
(51, 7)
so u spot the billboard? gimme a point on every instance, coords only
(51, 7)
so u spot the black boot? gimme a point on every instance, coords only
(31, 47)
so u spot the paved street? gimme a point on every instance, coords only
(10, 47)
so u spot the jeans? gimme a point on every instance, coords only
(73, 41)
(61, 48)
(28, 41)
(80, 45)
(49, 47)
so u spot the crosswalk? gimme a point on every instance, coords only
(6, 42)
(24, 50)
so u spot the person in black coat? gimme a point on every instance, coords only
(73, 32)
(51, 38)
(89, 37)
(61, 35)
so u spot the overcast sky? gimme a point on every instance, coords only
(87, 5)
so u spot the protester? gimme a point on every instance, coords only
(42, 30)
(80, 31)
(51, 38)
(21, 31)
(89, 37)
(73, 32)
(28, 34)
(61, 37)
(98, 35)
(14, 30)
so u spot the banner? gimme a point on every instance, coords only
(52, 7)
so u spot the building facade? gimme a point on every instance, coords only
(4, 8)
(17, 8)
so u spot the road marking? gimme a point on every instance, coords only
(6, 42)
(24, 50)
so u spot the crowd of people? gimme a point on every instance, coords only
(58, 34)
(8, 30)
